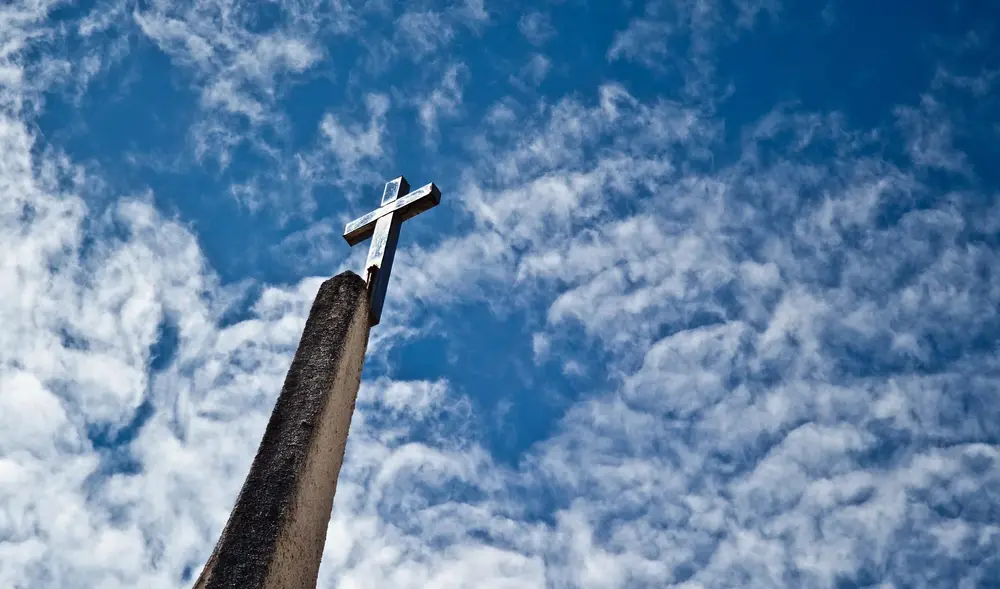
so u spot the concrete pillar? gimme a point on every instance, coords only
(277, 530)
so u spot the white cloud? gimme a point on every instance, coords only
(536, 27)
(644, 40)
(473, 12)
(236, 68)
(533, 72)
(444, 101)
(930, 136)
(979, 85)
(423, 32)
(78, 328)
(534, 196)
(23, 24)
(353, 144)
(684, 37)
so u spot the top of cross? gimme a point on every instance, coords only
(382, 225)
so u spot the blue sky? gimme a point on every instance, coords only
(710, 300)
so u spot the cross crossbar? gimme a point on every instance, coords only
(382, 226)
(424, 198)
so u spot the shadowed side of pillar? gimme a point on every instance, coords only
(275, 535)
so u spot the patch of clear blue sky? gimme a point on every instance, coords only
(861, 59)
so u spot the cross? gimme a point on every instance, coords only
(275, 535)
(382, 225)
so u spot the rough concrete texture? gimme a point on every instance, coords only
(276, 532)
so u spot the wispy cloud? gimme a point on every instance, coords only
(422, 32)
(536, 27)
(533, 73)
(644, 40)
(236, 66)
(929, 136)
(352, 144)
(684, 37)
(443, 101)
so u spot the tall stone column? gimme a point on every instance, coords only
(275, 535)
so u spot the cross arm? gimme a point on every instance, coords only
(424, 198)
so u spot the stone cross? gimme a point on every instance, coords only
(382, 225)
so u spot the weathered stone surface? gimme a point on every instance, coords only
(276, 532)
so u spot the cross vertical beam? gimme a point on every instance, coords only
(383, 249)
(382, 225)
